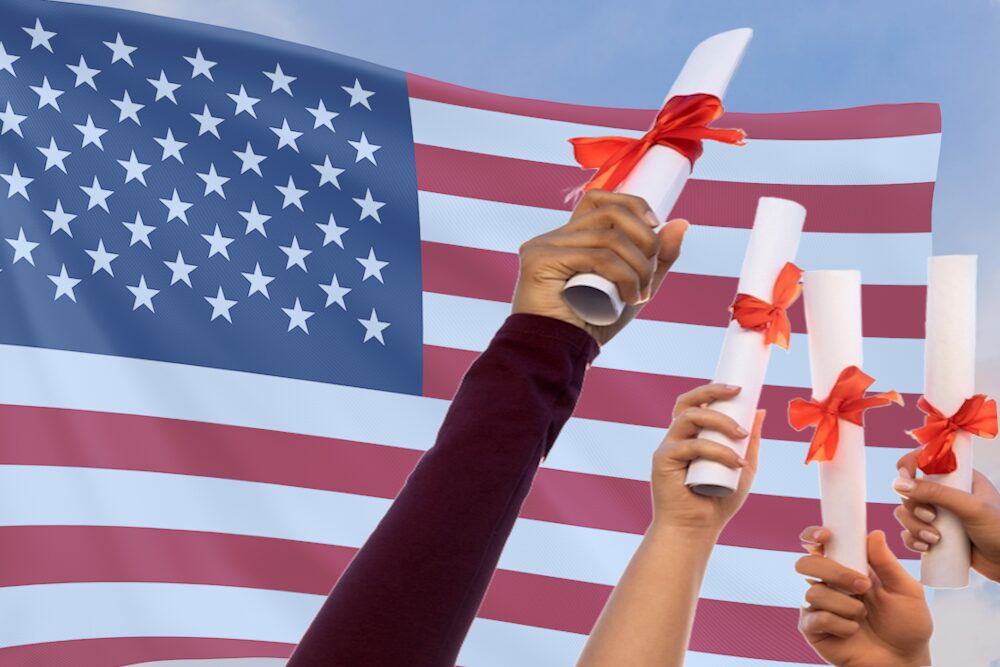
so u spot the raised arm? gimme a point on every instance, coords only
(411, 593)
(647, 621)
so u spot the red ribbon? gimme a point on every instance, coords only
(978, 416)
(847, 400)
(682, 124)
(771, 318)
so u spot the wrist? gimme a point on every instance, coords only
(692, 533)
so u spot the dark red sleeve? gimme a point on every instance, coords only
(411, 593)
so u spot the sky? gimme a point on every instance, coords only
(815, 54)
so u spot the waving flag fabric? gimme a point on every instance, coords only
(240, 280)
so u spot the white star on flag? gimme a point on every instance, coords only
(244, 103)
(84, 74)
(164, 88)
(140, 231)
(176, 208)
(293, 196)
(297, 317)
(134, 170)
(369, 207)
(219, 244)
(335, 293)
(251, 161)
(366, 150)
(143, 294)
(258, 282)
(102, 258)
(255, 219)
(120, 50)
(286, 136)
(91, 133)
(328, 173)
(22, 248)
(47, 95)
(373, 328)
(221, 306)
(171, 147)
(54, 156)
(358, 94)
(64, 284)
(18, 184)
(207, 123)
(40, 36)
(214, 182)
(332, 232)
(11, 122)
(60, 219)
(280, 80)
(7, 60)
(179, 270)
(98, 195)
(373, 266)
(127, 109)
(323, 116)
(200, 66)
(296, 255)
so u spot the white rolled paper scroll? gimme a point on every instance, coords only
(661, 174)
(833, 318)
(774, 241)
(949, 379)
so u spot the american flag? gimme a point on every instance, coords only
(241, 279)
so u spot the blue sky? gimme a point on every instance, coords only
(805, 55)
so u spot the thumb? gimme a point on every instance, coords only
(964, 505)
(886, 566)
(671, 238)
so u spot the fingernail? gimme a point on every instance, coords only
(814, 534)
(651, 219)
(743, 462)
(904, 473)
(861, 585)
(903, 485)
(925, 514)
(929, 537)
(921, 546)
(742, 432)
(732, 387)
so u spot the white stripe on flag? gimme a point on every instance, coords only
(65, 496)
(883, 259)
(907, 159)
(670, 348)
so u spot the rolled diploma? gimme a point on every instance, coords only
(949, 379)
(833, 319)
(774, 240)
(662, 173)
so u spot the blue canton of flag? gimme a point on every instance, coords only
(181, 193)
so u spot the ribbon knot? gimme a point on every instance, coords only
(978, 416)
(847, 400)
(681, 124)
(771, 318)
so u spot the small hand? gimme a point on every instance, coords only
(978, 511)
(673, 502)
(609, 234)
(857, 620)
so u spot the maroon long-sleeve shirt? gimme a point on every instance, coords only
(411, 593)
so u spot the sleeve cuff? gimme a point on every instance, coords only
(576, 340)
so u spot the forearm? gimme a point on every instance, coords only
(412, 591)
(647, 620)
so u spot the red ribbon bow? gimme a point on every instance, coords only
(847, 400)
(682, 124)
(978, 416)
(771, 318)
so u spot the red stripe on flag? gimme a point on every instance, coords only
(56, 437)
(882, 120)
(132, 650)
(110, 554)
(647, 399)
(890, 311)
(899, 207)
